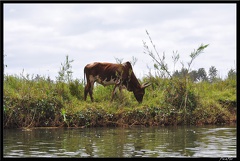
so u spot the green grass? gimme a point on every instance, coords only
(42, 103)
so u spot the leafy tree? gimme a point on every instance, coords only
(212, 73)
(180, 74)
(193, 75)
(232, 74)
(176, 74)
(202, 75)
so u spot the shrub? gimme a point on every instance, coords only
(76, 89)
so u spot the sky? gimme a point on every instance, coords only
(37, 37)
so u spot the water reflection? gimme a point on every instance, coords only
(122, 142)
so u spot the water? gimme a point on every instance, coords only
(180, 141)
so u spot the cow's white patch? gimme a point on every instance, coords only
(110, 82)
(91, 78)
(104, 82)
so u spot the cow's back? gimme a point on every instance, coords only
(95, 68)
(102, 70)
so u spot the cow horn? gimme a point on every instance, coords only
(146, 85)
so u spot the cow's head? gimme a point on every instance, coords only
(139, 92)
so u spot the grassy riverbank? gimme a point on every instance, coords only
(43, 103)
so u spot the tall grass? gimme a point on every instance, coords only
(33, 103)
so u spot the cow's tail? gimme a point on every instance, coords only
(84, 76)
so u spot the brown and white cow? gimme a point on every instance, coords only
(120, 75)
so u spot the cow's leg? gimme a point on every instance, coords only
(89, 88)
(86, 90)
(120, 91)
(91, 91)
(120, 88)
(114, 91)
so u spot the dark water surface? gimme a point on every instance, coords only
(179, 141)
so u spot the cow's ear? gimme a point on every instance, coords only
(145, 85)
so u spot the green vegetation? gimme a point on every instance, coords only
(172, 99)
(34, 103)
(41, 102)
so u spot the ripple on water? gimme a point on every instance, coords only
(219, 142)
(52, 150)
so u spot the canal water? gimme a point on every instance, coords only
(172, 141)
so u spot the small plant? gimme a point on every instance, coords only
(65, 73)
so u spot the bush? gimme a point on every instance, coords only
(76, 89)
(180, 95)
